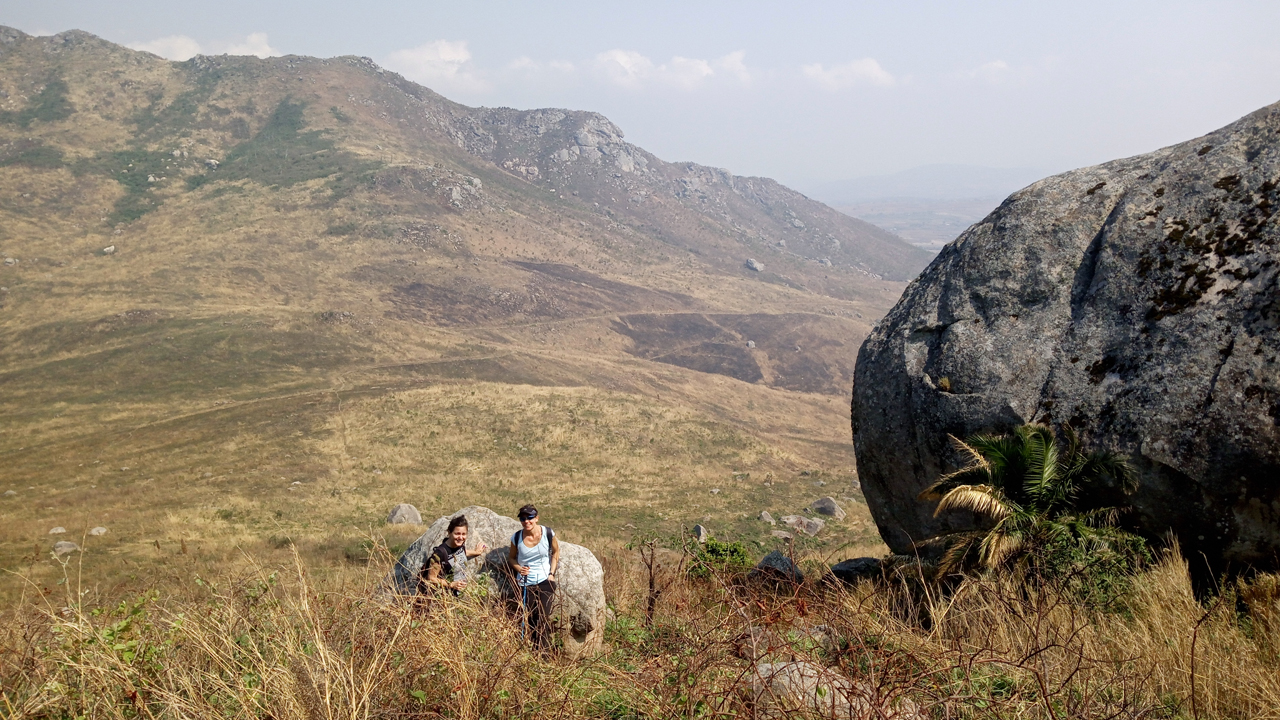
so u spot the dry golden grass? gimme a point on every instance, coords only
(276, 642)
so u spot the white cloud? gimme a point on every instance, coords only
(440, 65)
(172, 47)
(997, 72)
(866, 71)
(254, 44)
(183, 47)
(628, 68)
(526, 64)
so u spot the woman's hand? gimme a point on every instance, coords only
(551, 577)
(522, 569)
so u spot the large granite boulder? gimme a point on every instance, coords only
(580, 602)
(1135, 300)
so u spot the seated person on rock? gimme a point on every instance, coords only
(446, 566)
(535, 555)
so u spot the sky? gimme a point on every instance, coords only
(804, 92)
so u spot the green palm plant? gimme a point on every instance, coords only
(1026, 485)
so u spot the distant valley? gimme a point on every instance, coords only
(248, 299)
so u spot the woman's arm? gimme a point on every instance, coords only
(478, 551)
(555, 555)
(433, 573)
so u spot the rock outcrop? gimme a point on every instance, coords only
(580, 602)
(1136, 301)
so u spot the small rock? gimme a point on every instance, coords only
(821, 483)
(207, 475)
(151, 178)
(295, 482)
(62, 547)
(404, 514)
(766, 517)
(10, 493)
(808, 526)
(854, 570)
(787, 689)
(715, 491)
(212, 164)
(58, 530)
(829, 507)
(176, 153)
(109, 250)
(776, 566)
(701, 534)
(751, 343)
(10, 261)
(826, 262)
(782, 535)
(98, 531)
(753, 264)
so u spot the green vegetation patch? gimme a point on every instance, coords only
(50, 105)
(32, 154)
(138, 171)
(284, 153)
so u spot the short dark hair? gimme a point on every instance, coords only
(528, 512)
(454, 524)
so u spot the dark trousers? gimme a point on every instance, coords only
(537, 600)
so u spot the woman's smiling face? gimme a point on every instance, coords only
(459, 536)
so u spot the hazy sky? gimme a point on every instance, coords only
(801, 91)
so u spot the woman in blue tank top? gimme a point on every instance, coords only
(535, 555)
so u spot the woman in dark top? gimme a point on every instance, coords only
(446, 566)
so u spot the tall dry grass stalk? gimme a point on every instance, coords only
(274, 645)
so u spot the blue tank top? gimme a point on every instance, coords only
(537, 558)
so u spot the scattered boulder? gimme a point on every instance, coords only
(212, 164)
(715, 491)
(98, 531)
(829, 507)
(751, 343)
(62, 547)
(854, 570)
(109, 250)
(753, 264)
(808, 526)
(58, 530)
(782, 535)
(10, 493)
(777, 567)
(701, 534)
(580, 602)
(405, 514)
(1134, 300)
(766, 517)
(10, 262)
(787, 689)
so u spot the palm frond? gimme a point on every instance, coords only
(1100, 518)
(978, 499)
(998, 547)
(959, 547)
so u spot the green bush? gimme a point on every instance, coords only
(718, 556)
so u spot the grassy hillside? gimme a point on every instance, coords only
(232, 275)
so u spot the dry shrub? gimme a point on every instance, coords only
(275, 645)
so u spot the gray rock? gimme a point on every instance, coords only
(808, 526)
(857, 569)
(776, 566)
(766, 517)
(1136, 300)
(212, 164)
(98, 531)
(109, 250)
(580, 602)
(782, 535)
(10, 262)
(829, 507)
(404, 514)
(790, 689)
(10, 493)
(701, 534)
(62, 547)
(58, 530)
(751, 343)
(753, 264)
